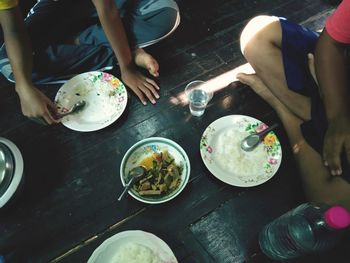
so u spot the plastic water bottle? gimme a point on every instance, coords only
(307, 229)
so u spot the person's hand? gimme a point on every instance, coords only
(140, 84)
(336, 140)
(35, 105)
(337, 137)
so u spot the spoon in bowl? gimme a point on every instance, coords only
(135, 174)
(251, 141)
(76, 107)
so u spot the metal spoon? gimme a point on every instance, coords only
(252, 140)
(135, 174)
(76, 107)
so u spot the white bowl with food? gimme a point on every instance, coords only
(167, 170)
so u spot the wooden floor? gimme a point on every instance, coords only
(68, 205)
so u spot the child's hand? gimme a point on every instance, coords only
(35, 105)
(336, 140)
(337, 136)
(140, 85)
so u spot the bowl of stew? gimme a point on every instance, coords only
(167, 169)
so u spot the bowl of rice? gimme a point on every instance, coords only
(133, 246)
(220, 148)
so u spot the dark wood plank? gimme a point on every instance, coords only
(68, 205)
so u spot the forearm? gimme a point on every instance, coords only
(114, 30)
(17, 46)
(331, 69)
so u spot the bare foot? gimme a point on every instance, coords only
(146, 61)
(256, 84)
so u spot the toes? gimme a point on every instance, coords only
(241, 77)
(249, 80)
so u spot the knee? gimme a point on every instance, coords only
(260, 29)
(164, 15)
(169, 20)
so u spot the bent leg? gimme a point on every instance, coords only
(61, 62)
(146, 22)
(319, 185)
(50, 24)
(261, 42)
(153, 21)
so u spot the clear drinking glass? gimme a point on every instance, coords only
(198, 97)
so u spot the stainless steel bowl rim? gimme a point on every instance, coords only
(7, 164)
(18, 172)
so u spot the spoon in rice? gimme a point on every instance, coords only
(135, 174)
(251, 141)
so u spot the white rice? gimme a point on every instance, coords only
(231, 158)
(135, 253)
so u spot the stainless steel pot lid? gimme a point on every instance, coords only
(7, 165)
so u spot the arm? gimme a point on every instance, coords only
(331, 69)
(114, 30)
(34, 103)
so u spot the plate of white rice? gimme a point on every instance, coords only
(133, 246)
(220, 148)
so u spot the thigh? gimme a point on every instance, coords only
(297, 42)
(62, 61)
(319, 185)
(50, 21)
(148, 21)
(145, 21)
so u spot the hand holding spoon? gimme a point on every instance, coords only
(76, 107)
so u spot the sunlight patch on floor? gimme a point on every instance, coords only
(216, 83)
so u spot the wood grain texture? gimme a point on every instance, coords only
(68, 205)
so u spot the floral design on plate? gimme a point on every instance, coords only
(204, 144)
(105, 97)
(270, 150)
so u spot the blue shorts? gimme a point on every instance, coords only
(297, 42)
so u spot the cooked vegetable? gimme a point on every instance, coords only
(162, 175)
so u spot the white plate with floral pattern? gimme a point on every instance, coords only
(105, 96)
(221, 164)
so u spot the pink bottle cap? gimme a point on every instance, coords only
(337, 217)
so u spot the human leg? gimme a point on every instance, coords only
(49, 24)
(153, 21)
(261, 42)
(52, 22)
(146, 22)
(319, 185)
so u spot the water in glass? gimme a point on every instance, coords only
(198, 101)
